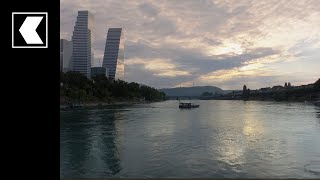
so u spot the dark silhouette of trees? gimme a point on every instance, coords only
(317, 84)
(77, 87)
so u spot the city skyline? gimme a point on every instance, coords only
(220, 43)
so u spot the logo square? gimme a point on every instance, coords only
(29, 30)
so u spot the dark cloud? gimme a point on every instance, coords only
(148, 9)
(137, 72)
(182, 32)
(161, 26)
(192, 61)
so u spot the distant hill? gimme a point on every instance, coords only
(191, 91)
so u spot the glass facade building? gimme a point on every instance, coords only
(65, 55)
(82, 40)
(113, 59)
(98, 71)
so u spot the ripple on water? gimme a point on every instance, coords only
(313, 167)
(221, 139)
(158, 166)
(180, 148)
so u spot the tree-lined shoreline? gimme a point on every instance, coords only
(76, 88)
(310, 92)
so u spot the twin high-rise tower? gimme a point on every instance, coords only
(113, 59)
(82, 39)
(82, 48)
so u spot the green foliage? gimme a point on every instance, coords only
(77, 87)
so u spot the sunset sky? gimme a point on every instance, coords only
(224, 43)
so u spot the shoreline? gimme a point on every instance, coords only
(101, 104)
(270, 100)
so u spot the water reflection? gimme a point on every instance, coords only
(221, 139)
(317, 109)
(112, 154)
(89, 139)
(73, 140)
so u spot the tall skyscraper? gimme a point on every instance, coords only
(65, 55)
(82, 40)
(113, 59)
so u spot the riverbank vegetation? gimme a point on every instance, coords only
(310, 92)
(77, 88)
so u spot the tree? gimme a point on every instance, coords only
(76, 79)
(317, 84)
(78, 87)
(62, 78)
(163, 95)
(285, 84)
(82, 95)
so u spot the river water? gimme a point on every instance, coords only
(220, 139)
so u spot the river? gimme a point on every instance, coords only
(220, 139)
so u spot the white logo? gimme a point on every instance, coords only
(28, 30)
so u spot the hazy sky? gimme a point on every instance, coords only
(225, 43)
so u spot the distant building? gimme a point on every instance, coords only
(113, 59)
(82, 40)
(237, 93)
(65, 55)
(244, 88)
(98, 71)
(266, 89)
(287, 85)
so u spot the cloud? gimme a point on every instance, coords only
(211, 42)
(148, 10)
(159, 67)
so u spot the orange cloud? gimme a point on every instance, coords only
(159, 67)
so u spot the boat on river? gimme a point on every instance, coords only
(188, 105)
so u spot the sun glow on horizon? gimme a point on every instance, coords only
(220, 43)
